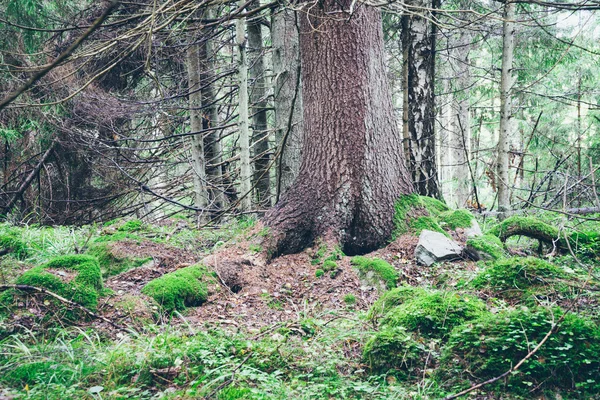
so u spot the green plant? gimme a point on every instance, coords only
(419, 224)
(376, 268)
(186, 287)
(319, 273)
(393, 298)
(491, 344)
(256, 248)
(11, 243)
(133, 225)
(350, 299)
(329, 265)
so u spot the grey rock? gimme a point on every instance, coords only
(435, 247)
(474, 230)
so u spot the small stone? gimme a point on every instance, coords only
(434, 247)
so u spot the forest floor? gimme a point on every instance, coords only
(272, 329)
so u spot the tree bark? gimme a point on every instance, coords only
(288, 113)
(352, 171)
(196, 140)
(244, 140)
(260, 136)
(212, 142)
(506, 82)
(418, 45)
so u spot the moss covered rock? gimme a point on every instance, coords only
(10, 242)
(517, 273)
(434, 313)
(186, 287)
(376, 269)
(491, 344)
(414, 213)
(486, 247)
(393, 349)
(74, 277)
(457, 219)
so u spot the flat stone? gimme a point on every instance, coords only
(435, 247)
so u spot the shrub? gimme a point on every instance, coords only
(434, 313)
(376, 267)
(177, 290)
(486, 246)
(491, 344)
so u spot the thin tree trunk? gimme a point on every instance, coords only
(288, 113)
(351, 172)
(196, 140)
(260, 136)
(244, 140)
(418, 44)
(506, 82)
(212, 143)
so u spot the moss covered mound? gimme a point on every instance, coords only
(11, 242)
(393, 298)
(525, 226)
(434, 313)
(493, 343)
(457, 219)
(413, 213)
(486, 246)
(517, 273)
(83, 287)
(112, 263)
(376, 268)
(186, 287)
(393, 349)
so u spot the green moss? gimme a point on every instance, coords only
(13, 243)
(350, 299)
(329, 265)
(377, 267)
(487, 246)
(457, 219)
(393, 298)
(491, 344)
(255, 248)
(517, 273)
(177, 290)
(117, 237)
(111, 263)
(84, 288)
(528, 226)
(393, 349)
(434, 313)
(319, 273)
(433, 206)
(422, 223)
(402, 209)
(133, 225)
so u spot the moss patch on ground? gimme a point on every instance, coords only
(394, 349)
(186, 287)
(434, 313)
(83, 288)
(517, 273)
(376, 268)
(456, 219)
(490, 345)
(486, 246)
(112, 263)
(11, 243)
(393, 298)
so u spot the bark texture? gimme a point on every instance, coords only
(418, 47)
(352, 170)
(506, 82)
(288, 112)
(260, 136)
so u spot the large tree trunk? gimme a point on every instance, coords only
(260, 135)
(352, 170)
(418, 48)
(288, 97)
(506, 82)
